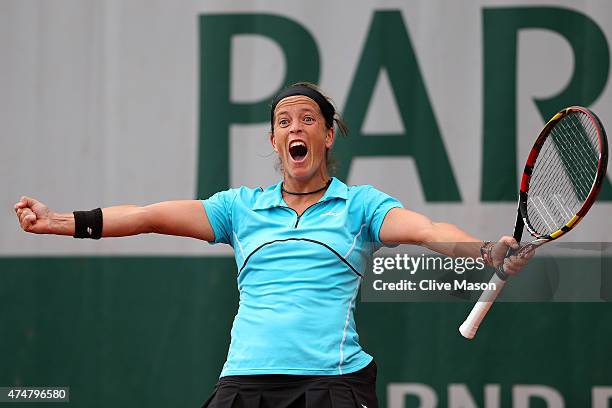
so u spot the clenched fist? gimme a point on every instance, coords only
(33, 216)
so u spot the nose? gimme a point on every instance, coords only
(295, 127)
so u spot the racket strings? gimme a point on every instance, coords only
(574, 157)
(583, 155)
(564, 173)
(559, 205)
(563, 157)
(555, 210)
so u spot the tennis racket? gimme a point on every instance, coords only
(561, 180)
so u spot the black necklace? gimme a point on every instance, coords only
(309, 192)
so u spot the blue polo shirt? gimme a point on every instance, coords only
(298, 276)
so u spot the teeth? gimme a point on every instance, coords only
(297, 143)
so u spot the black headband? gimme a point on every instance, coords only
(327, 109)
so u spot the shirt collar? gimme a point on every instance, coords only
(272, 196)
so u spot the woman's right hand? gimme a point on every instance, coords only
(33, 216)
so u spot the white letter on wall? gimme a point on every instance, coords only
(396, 393)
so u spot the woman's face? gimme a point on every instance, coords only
(301, 138)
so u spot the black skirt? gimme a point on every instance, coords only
(354, 390)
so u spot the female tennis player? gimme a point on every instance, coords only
(301, 248)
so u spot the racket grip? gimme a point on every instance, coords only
(470, 326)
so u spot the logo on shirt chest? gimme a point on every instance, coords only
(332, 214)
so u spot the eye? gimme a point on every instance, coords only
(308, 119)
(283, 122)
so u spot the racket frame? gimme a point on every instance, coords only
(531, 160)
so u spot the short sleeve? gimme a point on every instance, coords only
(219, 212)
(377, 206)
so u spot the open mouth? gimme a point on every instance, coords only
(298, 150)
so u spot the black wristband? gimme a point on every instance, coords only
(88, 224)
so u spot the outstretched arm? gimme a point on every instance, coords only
(403, 226)
(185, 218)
